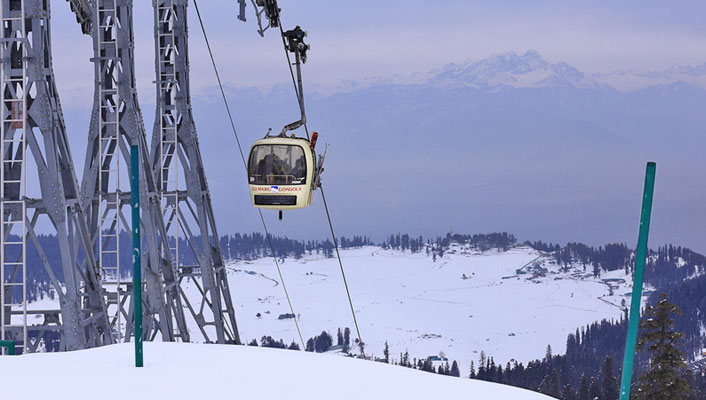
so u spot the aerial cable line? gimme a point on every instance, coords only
(300, 97)
(300, 100)
(242, 156)
(343, 273)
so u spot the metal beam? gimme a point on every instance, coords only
(116, 124)
(178, 168)
(33, 133)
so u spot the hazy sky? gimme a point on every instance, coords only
(364, 38)
(354, 39)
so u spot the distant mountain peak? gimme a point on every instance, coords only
(512, 70)
(529, 70)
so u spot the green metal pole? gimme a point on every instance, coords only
(638, 277)
(136, 253)
(10, 344)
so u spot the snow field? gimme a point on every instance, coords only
(198, 371)
(426, 307)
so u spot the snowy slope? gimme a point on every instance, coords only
(427, 307)
(197, 371)
(510, 305)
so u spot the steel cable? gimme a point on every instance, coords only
(323, 197)
(242, 156)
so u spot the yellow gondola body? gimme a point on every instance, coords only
(282, 173)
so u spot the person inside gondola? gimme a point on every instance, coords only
(299, 170)
(273, 167)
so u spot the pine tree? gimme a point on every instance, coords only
(492, 372)
(347, 336)
(445, 369)
(405, 359)
(583, 389)
(323, 342)
(472, 373)
(568, 393)
(481, 367)
(548, 355)
(454, 369)
(594, 391)
(665, 378)
(545, 387)
(555, 388)
(386, 352)
(610, 383)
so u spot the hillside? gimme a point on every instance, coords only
(510, 304)
(215, 371)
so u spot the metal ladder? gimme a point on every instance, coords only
(110, 225)
(168, 125)
(13, 207)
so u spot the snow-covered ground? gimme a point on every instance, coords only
(428, 307)
(200, 371)
(509, 304)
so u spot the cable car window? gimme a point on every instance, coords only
(277, 164)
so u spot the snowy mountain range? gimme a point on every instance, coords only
(527, 70)
(632, 80)
(501, 132)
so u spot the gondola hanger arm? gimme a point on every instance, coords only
(84, 14)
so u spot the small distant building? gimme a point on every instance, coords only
(286, 316)
(336, 348)
(613, 280)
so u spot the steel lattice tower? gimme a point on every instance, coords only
(180, 175)
(36, 158)
(116, 124)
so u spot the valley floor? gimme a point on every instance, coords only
(509, 304)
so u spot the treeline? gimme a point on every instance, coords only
(587, 368)
(249, 247)
(403, 242)
(325, 342)
(593, 354)
(666, 265)
(481, 241)
(234, 247)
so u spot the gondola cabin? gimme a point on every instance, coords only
(282, 173)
